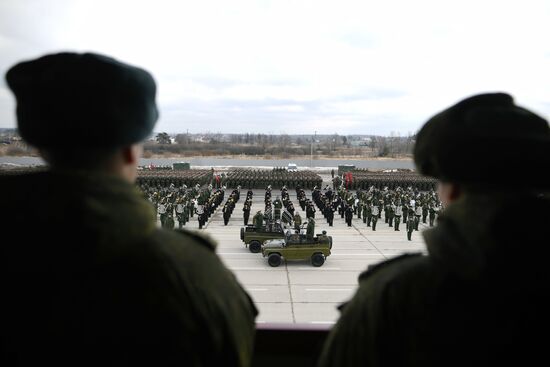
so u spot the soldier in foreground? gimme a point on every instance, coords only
(474, 299)
(258, 219)
(109, 288)
(310, 229)
(374, 214)
(410, 225)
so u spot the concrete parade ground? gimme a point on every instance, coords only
(297, 292)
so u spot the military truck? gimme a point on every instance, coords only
(296, 246)
(343, 168)
(181, 166)
(254, 237)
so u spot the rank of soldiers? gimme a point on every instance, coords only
(409, 205)
(176, 202)
(277, 178)
(164, 178)
(363, 179)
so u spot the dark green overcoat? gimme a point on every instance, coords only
(479, 297)
(88, 279)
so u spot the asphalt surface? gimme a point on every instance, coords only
(297, 292)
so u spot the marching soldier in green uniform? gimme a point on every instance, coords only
(374, 216)
(191, 205)
(310, 230)
(348, 215)
(398, 214)
(425, 210)
(277, 205)
(297, 221)
(417, 214)
(111, 288)
(246, 210)
(180, 209)
(162, 212)
(391, 213)
(186, 214)
(433, 212)
(169, 221)
(310, 209)
(258, 219)
(411, 224)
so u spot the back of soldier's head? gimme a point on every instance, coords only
(484, 142)
(80, 108)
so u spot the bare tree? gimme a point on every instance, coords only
(284, 142)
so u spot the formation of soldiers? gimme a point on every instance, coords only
(175, 201)
(162, 167)
(277, 178)
(247, 206)
(407, 205)
(282, 211)
(165, 178)
(364, 179)
(229, 205)
(305, 203)
(182, 202)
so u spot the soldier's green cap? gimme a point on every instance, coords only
(485, 139)
(85, 100)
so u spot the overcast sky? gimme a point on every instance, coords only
(296, 67)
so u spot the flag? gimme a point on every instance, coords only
(286, 217)
(268, 214)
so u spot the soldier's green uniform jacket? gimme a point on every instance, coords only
(90, 280)
(310, 230)
(480, 296)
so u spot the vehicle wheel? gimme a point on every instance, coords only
(274, 260)
(242, 234)
(317, 259)
(254, 247)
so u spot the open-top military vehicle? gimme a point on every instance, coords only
(253, 237)
(296, 246)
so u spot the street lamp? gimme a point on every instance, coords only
(311, 151)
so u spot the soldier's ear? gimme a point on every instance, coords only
(126, 161)
(132, 153)
(448, 192)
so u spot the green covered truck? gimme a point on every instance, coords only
(297, 246)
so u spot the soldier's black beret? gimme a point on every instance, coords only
(85, 100)
(485, 139)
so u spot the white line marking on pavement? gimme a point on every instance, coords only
(356, 255)
(247, 268)
(320, 269)
(257, 289)
(322, 322)
(328, 289)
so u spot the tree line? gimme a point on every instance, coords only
(281, 145)
(254, 145)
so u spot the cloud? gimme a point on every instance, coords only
(353, 66)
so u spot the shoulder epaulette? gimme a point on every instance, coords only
(372, 268)
(201, 238)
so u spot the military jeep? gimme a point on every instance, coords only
(254, 237)
(296, 246)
